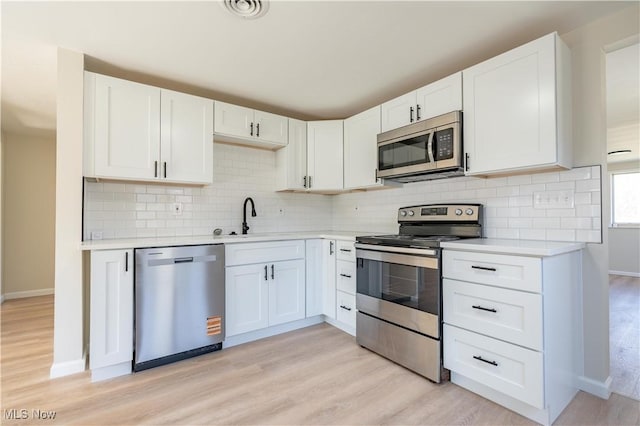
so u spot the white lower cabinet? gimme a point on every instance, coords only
(345, 279)
(512, 328)
(267, 293)
(321, 277)
(111, 313)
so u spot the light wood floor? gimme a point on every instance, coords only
(624, 335)
(317, 375)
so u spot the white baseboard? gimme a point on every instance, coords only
(62, 369)
(599, 389)
(625, 274)
(30, 293)
(250, 336)
(1, 299)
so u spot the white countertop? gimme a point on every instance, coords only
(128, 243)
(521, 247)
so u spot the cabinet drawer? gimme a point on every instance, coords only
(346, 251)
(272, 251)
(346, 276)
(514, 272)
(346, 307)
(507, 368)
(514, 316)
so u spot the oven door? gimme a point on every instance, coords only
(400, 285)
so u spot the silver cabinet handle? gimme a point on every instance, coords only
(309, 181)
(346, 250)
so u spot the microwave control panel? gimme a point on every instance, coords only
(444, 144)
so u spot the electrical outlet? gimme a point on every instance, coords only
(96, 235)
(553, 200)
(177, 209)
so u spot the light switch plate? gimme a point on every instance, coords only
(553, 200)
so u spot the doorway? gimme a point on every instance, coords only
(623, 163)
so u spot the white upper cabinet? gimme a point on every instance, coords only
(361, 149)
(434, 99)
(137, 132)
(122, 128)
(234, 123)
(324, 155)
(517, 112)
(186, 143)
(292, 159)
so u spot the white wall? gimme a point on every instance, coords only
(68, 345)
(28, 215)
(1, 217)
(587, 46)
(124, 210)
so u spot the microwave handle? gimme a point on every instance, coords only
(430, 147)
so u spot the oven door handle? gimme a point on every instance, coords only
(390, 249)
(400, 259)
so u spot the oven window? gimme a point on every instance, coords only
(406, 153)
(412, 286)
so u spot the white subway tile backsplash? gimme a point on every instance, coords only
(134, 210)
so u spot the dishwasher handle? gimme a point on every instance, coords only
(183, 260)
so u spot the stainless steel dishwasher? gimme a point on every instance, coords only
(179, 300)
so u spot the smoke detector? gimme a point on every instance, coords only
(247, 9)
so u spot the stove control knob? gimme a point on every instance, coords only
(411, 213)
(469, 212)
(403, 213)
(458, 212)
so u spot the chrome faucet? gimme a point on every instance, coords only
(245, 227)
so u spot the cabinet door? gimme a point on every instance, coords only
(286, 291)
(399, 112)
(247, 298)
(329, 278)
(271, 127)
(111, 318)
(186, 138)
(440, 97)
(361, 149)
(292, 159)
(510, 109)
(126, 128)
(314, 277)
(325, 158)
(233, 120)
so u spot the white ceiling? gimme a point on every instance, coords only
(305, 59)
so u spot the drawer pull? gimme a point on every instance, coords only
(483, 308)
(345, 275)
(346, 250)
(479, 358)
(484, 268)
(348, 309)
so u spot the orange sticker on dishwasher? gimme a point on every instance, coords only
(214, 325)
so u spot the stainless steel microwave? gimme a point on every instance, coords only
(427, 149)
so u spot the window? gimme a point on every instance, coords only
(625, 198)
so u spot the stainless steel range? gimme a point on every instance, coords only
(399, 283)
